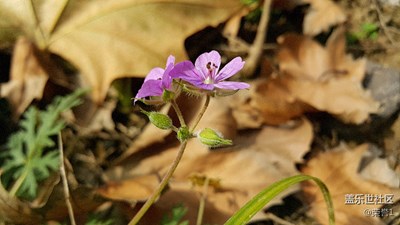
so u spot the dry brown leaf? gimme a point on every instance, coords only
(130, 190)
(274, 102)
(338, 169)
(28, 77)
(15, 211)
(325, 78)
(107, 39)
(321, 16)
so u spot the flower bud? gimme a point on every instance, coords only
(159, 120)
(212, 138)
(183, 134)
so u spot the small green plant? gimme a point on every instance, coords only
(367, 31)
(30, 155)
(178, 212)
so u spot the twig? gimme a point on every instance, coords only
(277, 219)
(256, 49)
(383, 25)
(65, 181)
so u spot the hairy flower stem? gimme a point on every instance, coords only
(200, 115)
(161, 186)
(178, 113)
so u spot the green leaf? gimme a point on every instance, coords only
(261, 199)
(29, 156)
(178, 212)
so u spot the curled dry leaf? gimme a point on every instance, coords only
(14, 211)
(338, 169)
(28, 77)
(274, 102)
(325, 78)
(108, 39)
(321, 16)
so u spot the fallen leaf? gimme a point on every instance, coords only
(274, 102)
(130, 190)
(338, 169)
(325, 78)
(15, 211)
(322, 15)
(108, 39)
(28, 77)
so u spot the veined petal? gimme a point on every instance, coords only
(150, 88)
(155, 74)
(230, 69)
(170, 60)
(212, 57)
(232, 85)
(184, 70)
(166, 78)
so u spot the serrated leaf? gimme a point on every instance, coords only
(29, 158)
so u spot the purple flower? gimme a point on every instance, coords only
(157, 80)
(205, 73)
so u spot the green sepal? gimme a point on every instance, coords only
(212, 138)
(159, 120)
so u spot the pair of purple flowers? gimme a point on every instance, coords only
(204, 75)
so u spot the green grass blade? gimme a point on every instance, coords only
(261, 199)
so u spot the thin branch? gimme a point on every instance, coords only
(256, 49)
(277, 219)
(381, 22)
(65, 181)
(202, 202)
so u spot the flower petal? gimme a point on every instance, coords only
(232, 85)
(230, 69)
(166, 78)
(155, 74)
(201, 62)
(150, 88)
(170, 60)
(186, 71)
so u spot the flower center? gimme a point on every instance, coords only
(208, 80)
(211, 67)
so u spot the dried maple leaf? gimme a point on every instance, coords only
(325, 78)
(107, 39)
(321, 16)
(338, 169)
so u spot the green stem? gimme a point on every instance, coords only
(135, 220)
(178, 113)
(17, 185)
(200, 115)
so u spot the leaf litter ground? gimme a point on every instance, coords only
(275, 126)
